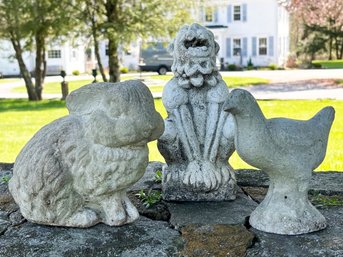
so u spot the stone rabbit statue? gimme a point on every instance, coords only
(75, 171)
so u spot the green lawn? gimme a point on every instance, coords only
(2, 81)
(333, 64)
(232, 82)
(20, 119)
(55, 87)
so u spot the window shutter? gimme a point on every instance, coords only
(244, 12)
(271, 46)
(229, 13)
(245, 47)
(215, 14)
(254, 46)
(228, 47)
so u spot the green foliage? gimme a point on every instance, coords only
(124, 70)
(5, 179)
(323, 22)
(250, 65)
(149, 199)
(233, 82)
(31, 25)
(20, 119)
(333, 64)
(158, 177)
(55, 87)
(327, 200)
(272, 66)
(312, 43)
(121, 22)
(232, 67)
(76, 72)
(3, 81)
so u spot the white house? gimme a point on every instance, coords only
(244, 29)
(66, 56)
(128, 57)
(59, 57)
(8, 62)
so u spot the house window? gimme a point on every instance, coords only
(209, 14)
(236, 12)
(106, 50)
(54, 54)
(262, 46)
(237, 47)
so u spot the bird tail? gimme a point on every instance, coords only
(324, 117)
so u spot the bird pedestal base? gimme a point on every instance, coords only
(286, 209)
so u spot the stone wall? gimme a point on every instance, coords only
(180, 229)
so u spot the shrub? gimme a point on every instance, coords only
(316, 65)
(124, 70)
(232, 67)
(76, 72)
(250, 65)
(272, 66)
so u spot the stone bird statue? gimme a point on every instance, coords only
(288, 151)
(75, 171)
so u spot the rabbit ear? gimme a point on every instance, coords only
(85, 99)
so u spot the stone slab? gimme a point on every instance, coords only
(6, 166)
(329, 182)
(228, 212)
(7, 203)
(220, 240)
(324, 243)
(143, 238)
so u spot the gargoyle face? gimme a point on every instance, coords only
(194, 41)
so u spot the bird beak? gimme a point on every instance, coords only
(227, 106)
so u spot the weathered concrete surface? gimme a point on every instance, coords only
(199, 137)
(143, 238)
(328, 183)
(75, 171)
(31, 240)
(325, 243)
(228, 212)
(219, 240)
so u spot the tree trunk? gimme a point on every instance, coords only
(330, 48)
(24, 71)
(339, 48)
(96, 51)
(113, 60)
(44, 65)
(39, 70)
